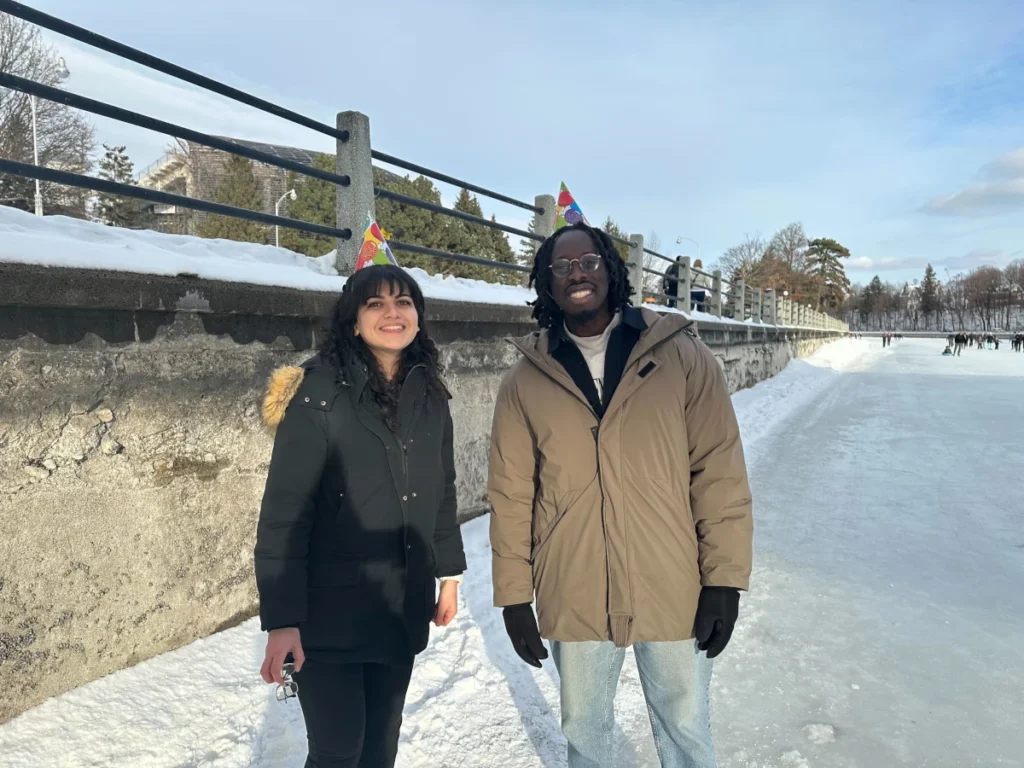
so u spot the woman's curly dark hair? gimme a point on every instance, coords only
(341, 345)
(545, 311)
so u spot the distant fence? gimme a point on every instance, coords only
(686, 286)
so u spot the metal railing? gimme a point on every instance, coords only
(110, 111)
(736, 301)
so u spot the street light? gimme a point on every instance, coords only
(62, 75)
(290, 194)
(679, 241)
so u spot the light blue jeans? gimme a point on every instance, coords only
(676, 680)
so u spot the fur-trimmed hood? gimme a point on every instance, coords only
(282, 386)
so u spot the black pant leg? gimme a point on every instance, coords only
(386, 686)
(334, 708)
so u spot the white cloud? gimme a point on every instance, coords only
(862, 262)
(1000, 189)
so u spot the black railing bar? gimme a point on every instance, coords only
(161, 65)
(415, 202)
(422, 249)
(8, 80)
(438, 176)
(659, 256)
(143, 193)
(656, 272)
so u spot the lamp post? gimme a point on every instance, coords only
(290, 194)
(679, 241)
(62, 75)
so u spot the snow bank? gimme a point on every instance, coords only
(472, 701)
(59, 241)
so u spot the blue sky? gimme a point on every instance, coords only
(896, 128)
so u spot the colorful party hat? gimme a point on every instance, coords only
(567, 210)
(375, 248)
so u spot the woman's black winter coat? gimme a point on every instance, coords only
(357, 521)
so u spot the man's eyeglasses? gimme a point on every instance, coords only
(589, 263)
(289, 688)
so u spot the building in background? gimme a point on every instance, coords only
(195, 170)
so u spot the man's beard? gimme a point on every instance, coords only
(585, 316)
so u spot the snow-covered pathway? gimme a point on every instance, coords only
(885, 627)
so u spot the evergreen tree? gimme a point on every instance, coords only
(239, 187)
(485, 242)
(824, 260)
(315, 202)
(613, 229)
(929, 294)
(114, 210)
(528, 248)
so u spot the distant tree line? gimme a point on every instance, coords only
(985, 299)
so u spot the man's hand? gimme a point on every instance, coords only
(521, 625)
(447, 603)
(717, 611)
(281, 642)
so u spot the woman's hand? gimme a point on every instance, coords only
(447, 603)
(281, 642)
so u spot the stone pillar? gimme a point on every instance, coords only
(739, 300)
(757, 312)
(355, 200)
(636, 268)
(543, 225)
(685, 284)
(716, 288)
(771, 305)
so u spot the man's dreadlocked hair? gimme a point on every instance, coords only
(545, 311)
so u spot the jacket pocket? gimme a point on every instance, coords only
(562, 506)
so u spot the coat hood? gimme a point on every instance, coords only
(282, 386)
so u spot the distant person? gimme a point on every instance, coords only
(358, 520)
(947, 352)
(960, 341)
(620, 502)
(670, 283)
(700, 284)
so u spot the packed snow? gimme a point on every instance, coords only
(883, 627)
(59, 241)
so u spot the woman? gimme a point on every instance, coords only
(358, 519)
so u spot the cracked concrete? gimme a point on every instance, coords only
(131, 474)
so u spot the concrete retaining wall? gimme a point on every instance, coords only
(132, 460)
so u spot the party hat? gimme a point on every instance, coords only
(567, 210)
(375, 248)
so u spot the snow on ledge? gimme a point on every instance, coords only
(59, 241)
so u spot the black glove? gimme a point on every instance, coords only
(521, 626)
(717, 611)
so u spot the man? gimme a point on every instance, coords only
(961, 342)
(620, 498)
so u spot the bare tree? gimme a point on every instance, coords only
(66, 138)
(653, 282)
(957, 299)
(746, 260)
(983, 291)
(789, 246)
